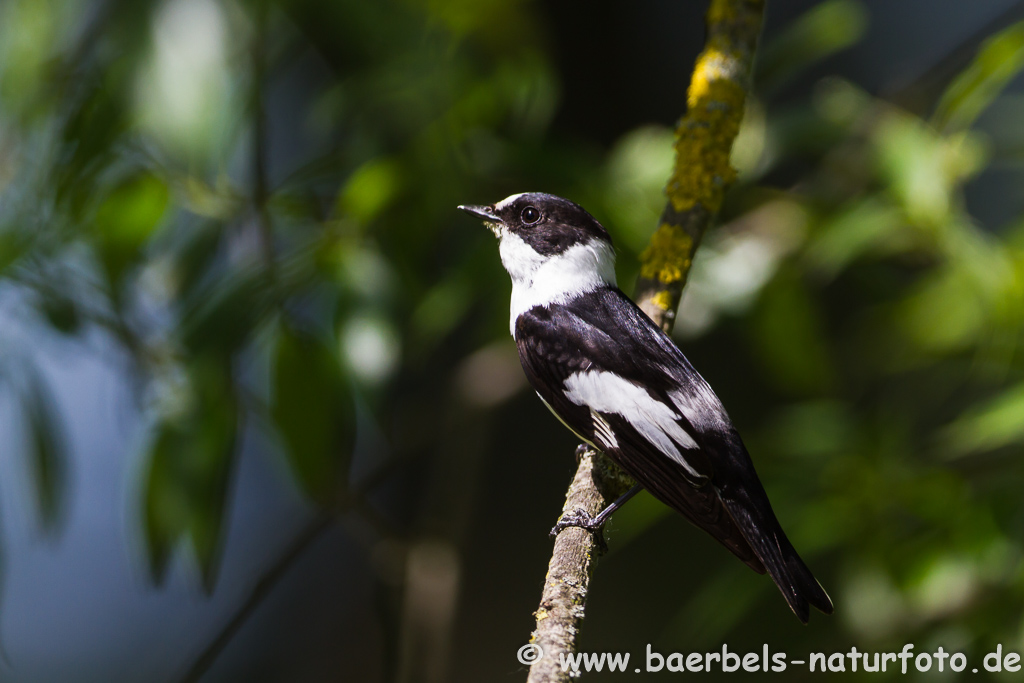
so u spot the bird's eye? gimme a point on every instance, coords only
(530, 215)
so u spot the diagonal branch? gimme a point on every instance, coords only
(704, 137)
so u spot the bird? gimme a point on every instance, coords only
(620, 384)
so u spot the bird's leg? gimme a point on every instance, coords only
(603, 516)
(581, 450)
(582, 519)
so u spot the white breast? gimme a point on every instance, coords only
(543, 280)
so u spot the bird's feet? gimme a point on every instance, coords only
(582, 450)
(584, 520)
(579, 518)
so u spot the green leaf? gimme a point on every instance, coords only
(849, 234)
(634, 182)
(97, 121)
(132, 210)
(911, 160)
(47, 445)
(998, 423)
(220, 317)
(126, 219)
(12, 246)
(789, 336)
(314, 412)
(827, 28)
(943, 313)
(999, 60)
(194, 256)
(190, 458)
(370, 189)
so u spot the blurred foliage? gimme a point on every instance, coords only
(314, 413)
(46, 446)
(190, 461)
(255, 201)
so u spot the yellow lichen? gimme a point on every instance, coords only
(714, 66)
(719, 11)
(705, 135)
(667, 258)
(663, 300)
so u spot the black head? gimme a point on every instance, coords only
(547, 223)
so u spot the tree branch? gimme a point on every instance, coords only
(260, 191)
(703, 144)
(310, 533)
(704, 137)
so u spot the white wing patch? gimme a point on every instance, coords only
(606, 392)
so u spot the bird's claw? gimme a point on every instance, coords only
(584, 520)
(578, 518)
(581, 450)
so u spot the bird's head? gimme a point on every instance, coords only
(542, 234)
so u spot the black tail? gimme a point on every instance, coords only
(765, 535)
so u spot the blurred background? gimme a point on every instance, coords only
(260, 415)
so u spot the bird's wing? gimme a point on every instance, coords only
(618, 382)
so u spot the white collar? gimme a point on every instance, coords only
(544, 280)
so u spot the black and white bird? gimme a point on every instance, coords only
(619, 383)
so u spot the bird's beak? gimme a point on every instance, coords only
(485, 212)
(491, 219)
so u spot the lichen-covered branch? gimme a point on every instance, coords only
(699, 180)
(703, 145)
(597, 482)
